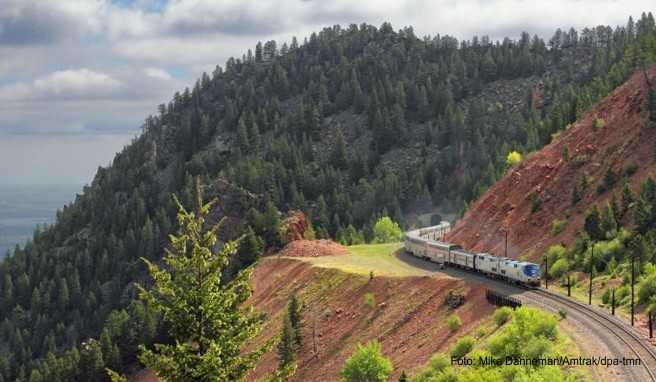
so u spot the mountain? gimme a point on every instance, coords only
(544, 200)
(351, 124)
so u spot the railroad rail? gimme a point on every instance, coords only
(633, 340)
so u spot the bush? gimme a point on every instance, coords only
(536, 202)
(387, 231)
(647, 285)
(502, 315)
(556, 252)
(454, 323)
(369, 300)
(463, 346)
(598, 123)
(367, 364)
(529, 334)
(562, 312)
(558, 225)
(630, 169)
(559, 268)
(610, 178)
(513, 158)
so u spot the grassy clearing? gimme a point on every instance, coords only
(362, 259)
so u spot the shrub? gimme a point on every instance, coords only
(606, 297)
(562, 312)
(610, 178)
(387, 231)
(463, 346)
(536, 202)
(630, 169)
(647, 285)
(369, 300)
(559, 268)
(580, 160)
(502, 315)
(576, 195)
(598, 123)
(513, 158)
(555, 252)
(367, 364)
(454, 323)
(558, 225)
(565, 153)
(529, 334)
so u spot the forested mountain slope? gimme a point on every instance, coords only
(352, 123)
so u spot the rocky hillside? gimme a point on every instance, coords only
(543, 200)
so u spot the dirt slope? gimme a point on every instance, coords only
(408, 317)
(622, 141)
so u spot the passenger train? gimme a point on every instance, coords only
(427, 243)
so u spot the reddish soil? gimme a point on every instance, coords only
(408, 319)
(623, 140)
(313, 248)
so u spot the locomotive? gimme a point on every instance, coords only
(427, 243)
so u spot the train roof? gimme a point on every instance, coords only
(464, 251)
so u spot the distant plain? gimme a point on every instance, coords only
(22, 208)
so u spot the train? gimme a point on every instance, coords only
(427, 243)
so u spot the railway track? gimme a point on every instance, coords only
(633, 340)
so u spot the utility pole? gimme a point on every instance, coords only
(505, 251)
(546, 273)
(632, 282)
(569, 286)
(591, 265)
(613, 303)
(651, 324)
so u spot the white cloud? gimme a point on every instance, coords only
(158, 73)
(63, 85)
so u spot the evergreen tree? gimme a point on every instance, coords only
(294, 313)
(287, 345)
(204, 316)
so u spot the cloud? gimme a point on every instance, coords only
(158, 73)
(24, 22)
(63, 85)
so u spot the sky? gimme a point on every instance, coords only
(78, 77)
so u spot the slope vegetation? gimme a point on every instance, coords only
(535, 201)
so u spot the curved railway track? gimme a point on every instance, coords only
(633, 340)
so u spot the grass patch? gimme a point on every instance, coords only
(367, 258)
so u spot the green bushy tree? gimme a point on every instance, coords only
(205, 317)
(367, 364)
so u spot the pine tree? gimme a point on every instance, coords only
(294, 312)
(287, 344)
(204, 316)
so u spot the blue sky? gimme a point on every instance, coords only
(77, 77)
